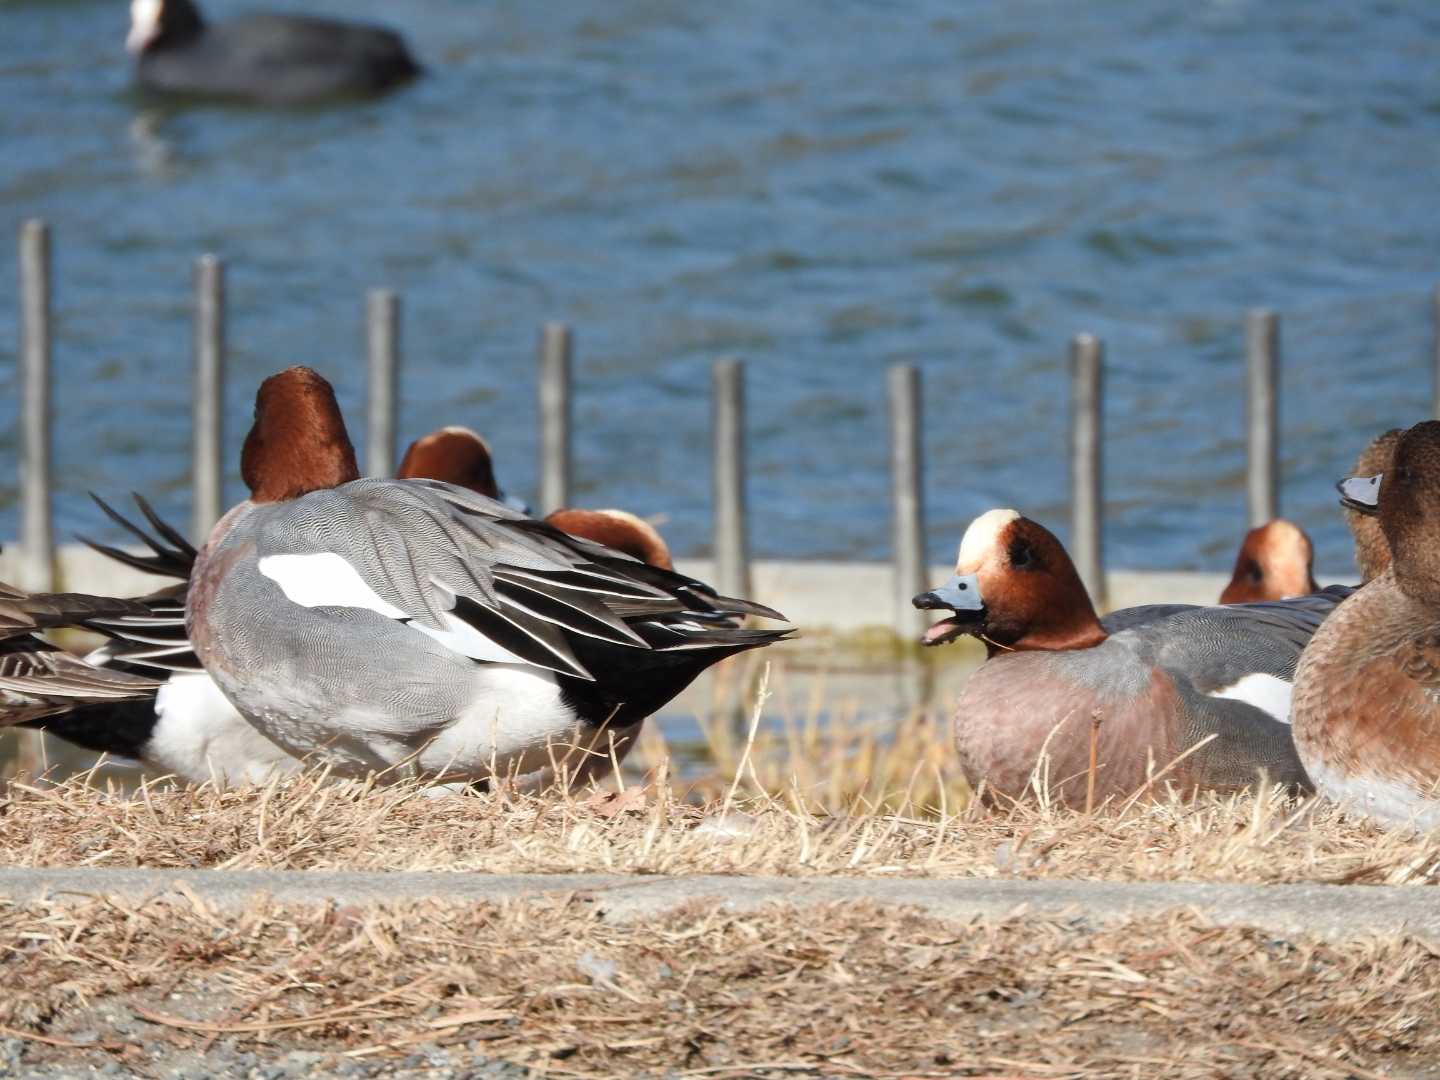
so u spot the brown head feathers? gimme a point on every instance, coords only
(298, 442)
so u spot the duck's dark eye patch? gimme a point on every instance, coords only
(1253, 572)
(1022, 555)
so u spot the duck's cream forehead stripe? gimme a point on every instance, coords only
(982, 535)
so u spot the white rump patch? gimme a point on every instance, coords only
(1268, 693)
(982, 536)
(144, 23)
(324, 580)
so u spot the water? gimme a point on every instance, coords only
(822, 188)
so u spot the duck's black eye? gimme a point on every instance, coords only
(1022, 555)
(1402, 473)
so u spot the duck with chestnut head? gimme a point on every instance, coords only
(1210, 683)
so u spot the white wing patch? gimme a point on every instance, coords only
(324, 580)
(1268, 693)
(327, 580)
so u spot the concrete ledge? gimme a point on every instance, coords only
(1331, 911)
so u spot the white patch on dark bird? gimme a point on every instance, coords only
(1268, 693)
(144, 23)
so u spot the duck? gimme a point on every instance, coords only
(1372, 553)
(1367, 692)
(1159, 679)
(415, 626)
(457, 455)
(618, 530)
(43, 687)
(460, 455)
(1276, 561)
(268, 58)
(176, 722)
(190, 731)
(39, 680)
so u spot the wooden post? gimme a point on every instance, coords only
(556, 350)
(1087, 500)
(208, 408)
(732, 543)
(1262, 348)
(382, 321)
(907, 500)
(37, 570)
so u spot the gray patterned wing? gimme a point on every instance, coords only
(1218, 646)
(473, 573)
(1129, 618)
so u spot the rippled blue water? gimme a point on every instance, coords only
(822, 188)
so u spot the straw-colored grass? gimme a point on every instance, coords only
(845, 797)
(849, 990)
(312, 822)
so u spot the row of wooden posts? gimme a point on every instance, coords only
(556, 347)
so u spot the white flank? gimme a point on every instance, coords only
(982, 536)
(1393, 802)
(144, 23)
(513, 719)
(324, 580)
(199, 736)
(1362, 489)
(1268, 693)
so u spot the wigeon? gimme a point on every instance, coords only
(1159, 679)
(1276, 561)
(1367, 693)
(1372, 553)
(456, 455)
(377, 624)
(191, 731)
(619, 530)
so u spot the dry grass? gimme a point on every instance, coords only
(849, 990)
(311, 822)
(805, 798)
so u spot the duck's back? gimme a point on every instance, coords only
(276, 58)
